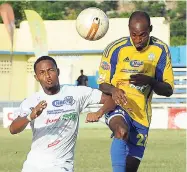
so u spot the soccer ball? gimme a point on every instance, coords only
(92, 24)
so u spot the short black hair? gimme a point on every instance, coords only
(44, 58)
(140, 15)
(81, 70)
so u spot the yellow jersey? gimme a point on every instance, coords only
(121, 59)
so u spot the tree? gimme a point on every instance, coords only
(176, 17)
(177, 20)
(69, 10)
(57, 10)
(153, 8)
(18, 10)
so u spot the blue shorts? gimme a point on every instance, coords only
(138, 134)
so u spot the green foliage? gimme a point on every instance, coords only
(69, 10)
(181, 9)
(108, 5)
(177, 19)
(153, 8)
(114, 14)
(57, 10)
(178, 40)
(178, 27)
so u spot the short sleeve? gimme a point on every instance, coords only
(23, 110)
(104, 70)
(164, 71)
(88, 96)
(108, 63)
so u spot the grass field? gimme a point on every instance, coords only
(166, 151)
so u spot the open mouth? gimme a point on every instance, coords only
(49, 81)
(139, 47)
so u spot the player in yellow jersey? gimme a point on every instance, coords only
(131, 69)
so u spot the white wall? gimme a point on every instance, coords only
(62, 35)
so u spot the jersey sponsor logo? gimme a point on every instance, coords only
(49, 121)
(70, 116)
(68, 100)
(105, 65)
(140, 88)
(58, 111)
(122, 83)
(54, 112)
(54, 143)
(136, 63)
(129, 71)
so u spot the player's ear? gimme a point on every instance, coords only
(151, 28)
(58, 71)
(35, 76)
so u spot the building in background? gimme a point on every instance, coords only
(70, 50)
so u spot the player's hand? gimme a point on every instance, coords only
(118, 95)
(93, 117)
(38, 109)
(140, 80)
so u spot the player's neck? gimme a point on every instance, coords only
(53, 90)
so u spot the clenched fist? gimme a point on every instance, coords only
(93, 117)
(38, 109)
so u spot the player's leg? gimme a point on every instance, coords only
(137, 141)
(132, 164)
(119, 148)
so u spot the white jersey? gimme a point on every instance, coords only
(55, 130)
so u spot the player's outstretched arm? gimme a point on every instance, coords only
(108, 105)
(20, 123)
(106, 88)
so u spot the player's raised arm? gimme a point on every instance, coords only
(20, 123)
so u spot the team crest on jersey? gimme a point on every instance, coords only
(68, 100)
(136, 63)
(105, 65)
(151, 56)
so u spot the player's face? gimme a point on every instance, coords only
(139, 33)
(47, 74)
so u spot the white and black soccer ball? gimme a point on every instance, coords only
(92, 24)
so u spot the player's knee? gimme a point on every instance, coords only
(120, 132)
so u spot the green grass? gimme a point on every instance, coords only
(166, 150)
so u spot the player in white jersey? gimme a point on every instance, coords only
(53, 114)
